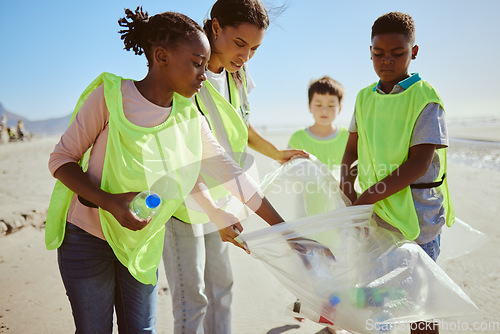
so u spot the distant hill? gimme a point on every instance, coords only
(47, 127)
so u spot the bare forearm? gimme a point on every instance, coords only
(347, 172)
(393, 183)
(264, 209)
(73, 177)
(418, 162)
(201, 195)
(261, 145)
(347, 178)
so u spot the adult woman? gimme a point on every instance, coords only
(201, 294)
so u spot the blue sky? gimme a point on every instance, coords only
(51, 50)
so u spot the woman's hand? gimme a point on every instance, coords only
(286, 155)
(258, 143)
(229, 227)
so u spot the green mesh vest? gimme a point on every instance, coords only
(227, 122)
(165, 158)
(385, 124)
(329, 151)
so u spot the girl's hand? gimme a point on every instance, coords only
(73, 177)
(229, 227)
(286, 155)
(119, 206)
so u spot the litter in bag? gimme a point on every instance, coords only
(347, 272)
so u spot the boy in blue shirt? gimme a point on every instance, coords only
(398, 136)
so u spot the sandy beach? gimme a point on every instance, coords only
(33, 300)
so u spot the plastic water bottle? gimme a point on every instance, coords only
(378, 297)
(146, 204)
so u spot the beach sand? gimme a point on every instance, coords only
(32, 296)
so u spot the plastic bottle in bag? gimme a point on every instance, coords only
(381, 326)
(146, 204)
(377, 297)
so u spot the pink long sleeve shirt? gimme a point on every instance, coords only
(90, 127)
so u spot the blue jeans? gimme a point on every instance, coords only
(433, 248)
(199, 277)
(96, 281)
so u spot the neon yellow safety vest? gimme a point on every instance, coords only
(385, 125)
(227, 121)
(165, 158)
(328, 151)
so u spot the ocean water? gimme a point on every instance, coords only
(475, 153)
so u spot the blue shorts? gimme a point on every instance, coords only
(432, 248)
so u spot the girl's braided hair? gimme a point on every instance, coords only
(142, 32)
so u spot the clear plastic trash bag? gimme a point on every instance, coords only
(459, 240)
(303, 187)
(347, 272)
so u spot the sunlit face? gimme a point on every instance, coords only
(391, 55)
(324, 108)
(234, 46)
(185, 69)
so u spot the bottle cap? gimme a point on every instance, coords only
(334, 300)
(152, 201)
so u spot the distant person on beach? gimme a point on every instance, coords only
(125, 137)
(324, 139)
(398, 136)
(12, 133)
(202, 294)
(21, 131)
(3, 122)
(4, 130)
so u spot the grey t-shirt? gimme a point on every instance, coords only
(430, 128)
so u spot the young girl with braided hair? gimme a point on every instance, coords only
(125, 137)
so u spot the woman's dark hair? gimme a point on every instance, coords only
(142, 33)
(235, 12)
(232, 13)
(395, 22)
